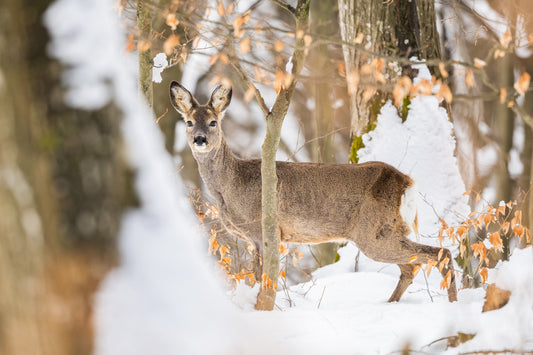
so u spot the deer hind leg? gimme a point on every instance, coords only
(423, 254)
(406, 279)
(256, 263)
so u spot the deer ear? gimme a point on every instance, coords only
(181, 98)
(220, 99)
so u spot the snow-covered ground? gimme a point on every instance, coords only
(346, 312)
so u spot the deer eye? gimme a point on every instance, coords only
(213, 123)
(189, 123)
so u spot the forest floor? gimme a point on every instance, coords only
(346, 312)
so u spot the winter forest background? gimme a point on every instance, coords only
(110, 243)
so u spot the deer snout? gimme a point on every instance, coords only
(200, 140)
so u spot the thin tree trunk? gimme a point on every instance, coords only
(526, 180)
(504, 123)
(322, 20)
(144, 24)
(269, 180)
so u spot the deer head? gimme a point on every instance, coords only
(203, 121)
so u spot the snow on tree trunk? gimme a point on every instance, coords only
(162, 297)
(400, 29)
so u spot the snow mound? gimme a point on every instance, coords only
(422, 147)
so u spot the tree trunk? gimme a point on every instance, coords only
(269, 180)
(144, 24)
(390, 33)
(504, 123)
(526, 180)
(62, 180)
(399, 29)
(322, 23)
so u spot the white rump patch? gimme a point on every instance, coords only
(408, 205)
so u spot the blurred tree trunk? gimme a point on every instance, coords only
(144, 25)
(322, 14)
(62, 189)
(526, 179)
(504, 123)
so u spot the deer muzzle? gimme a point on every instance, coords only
(200, 142)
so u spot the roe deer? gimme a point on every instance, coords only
(370, 204)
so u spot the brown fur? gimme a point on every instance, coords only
(316, 202)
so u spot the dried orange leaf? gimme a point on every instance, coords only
(220, 8)
(506, 39)
(172, 21)
(249, 94)
(278, 46)
(470, 82)
(479, 249)
(413, 258)
(499, 54)
(443, 71)
(503, 95)
(496, 241)
(359, 38)
(307, 40)
(223, 250)
(283, 250)
(518, 230)
(445, 93)
(462, 249)
(278, 81)
(213, 245)
(244, 45)
(130, 45)
(143, 46)
(478, 63)
(237, 24)
(352, 79)
(484, 273)
(522, 84)
(170, 44)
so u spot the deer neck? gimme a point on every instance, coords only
(216, 168)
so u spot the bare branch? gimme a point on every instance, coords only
(285, 6)
(246, 83)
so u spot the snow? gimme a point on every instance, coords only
(422, 147)
(160, 63)
(164, 297)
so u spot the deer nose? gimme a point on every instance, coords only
(200, 140)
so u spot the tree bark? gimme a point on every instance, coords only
(322, 23)
(144, 24)
(504, 123)
(269, 180)
(398, 29)
(62, 180)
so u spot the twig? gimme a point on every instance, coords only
(247, 83)
(285, 6)
(506, 351)
(427, 287)
(162, 115)
(320, 301)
